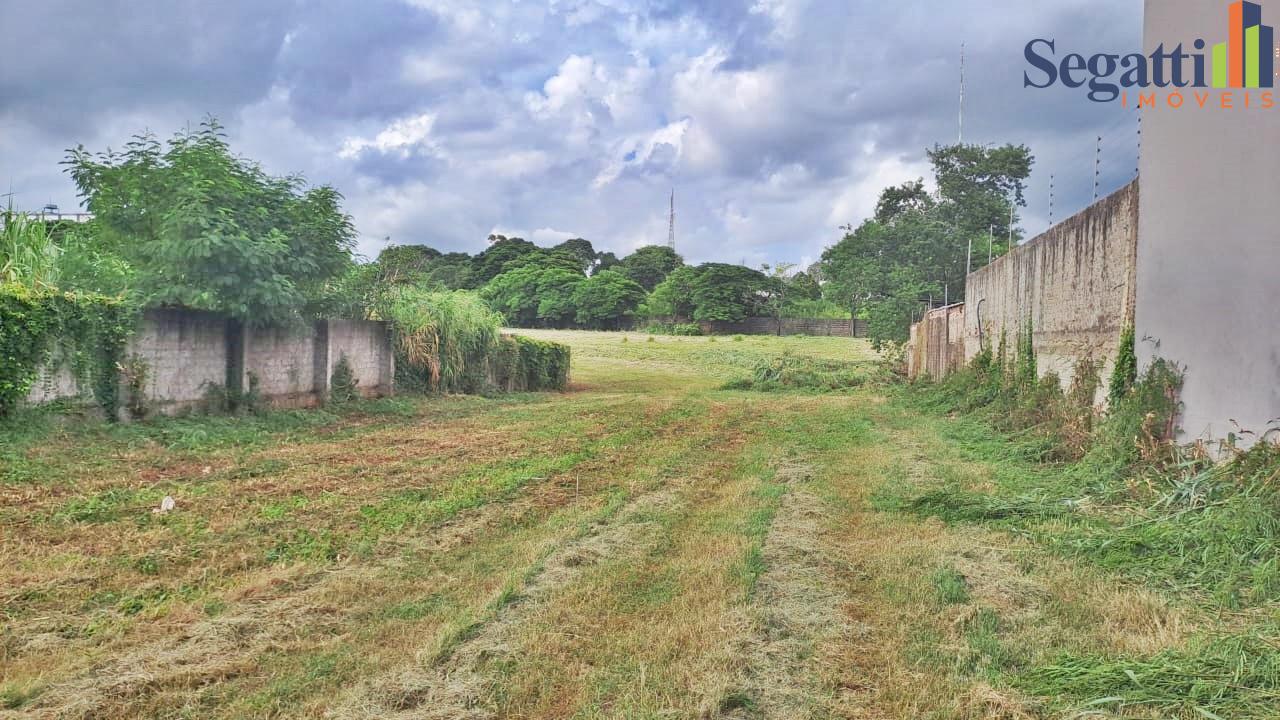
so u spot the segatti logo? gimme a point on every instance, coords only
(1245, 61)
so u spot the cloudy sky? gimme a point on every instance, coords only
(441, 121)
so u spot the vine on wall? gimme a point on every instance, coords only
(87, 332)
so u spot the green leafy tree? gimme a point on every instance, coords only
(607, 300)
(557, 290)
(579, 249)
(731, 293)
(672, 299)
(406, 263)
(650, 265)
(493, 261)
(209, 230)
(530, 295)
(452, 271)
(606, 261)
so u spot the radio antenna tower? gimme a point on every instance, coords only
(960, 140)
(671, 222)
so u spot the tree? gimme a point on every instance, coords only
(606, 261)
(502, 250)
(579, 249)
(902, 199)
(730, 293)
(916, 247)
(515, 295)
(672, 299)
(208, 230)
(977, 183)
(406, 264)
(606, 300)
(451, 271)
(533, 295)
(650, 265)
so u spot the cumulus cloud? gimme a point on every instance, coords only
(776, 121)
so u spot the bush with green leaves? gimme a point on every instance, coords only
(343, 384)
(209, 230)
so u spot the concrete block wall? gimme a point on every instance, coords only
(1075, 284)
(186, 352)
(283, 361)
(368, 350)
(937, 345)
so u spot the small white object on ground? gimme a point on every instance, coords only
(166, 506)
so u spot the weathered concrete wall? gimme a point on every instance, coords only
(188, 352)
(185, 351)
(57, 381)
(283, 361)
(937, 345)
(1207, 249)
(367, 348)
(788, 326)
(1075, 284)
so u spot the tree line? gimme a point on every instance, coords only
(187, 222)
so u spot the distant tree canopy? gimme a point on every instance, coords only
(713, 291)
(201, 227)
(650, 265)
(915, 247)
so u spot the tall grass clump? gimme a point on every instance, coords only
(28, 253)
(443, 339)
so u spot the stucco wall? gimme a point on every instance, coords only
(1208, 248)
(1074, 283)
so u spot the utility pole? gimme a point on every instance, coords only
(968, 257)
(960, 140)
(1010, 246)
(1050, 201)
(1138, 170)
(1097, 169)
(671, 222)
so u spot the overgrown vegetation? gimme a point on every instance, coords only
(203, 228)
(793, 373)
(1116, 492)
(48, 329)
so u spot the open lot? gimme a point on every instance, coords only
(647, 545)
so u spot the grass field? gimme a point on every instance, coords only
(647, 545)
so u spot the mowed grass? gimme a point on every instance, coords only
(649, 544)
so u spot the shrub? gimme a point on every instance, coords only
(342, 384)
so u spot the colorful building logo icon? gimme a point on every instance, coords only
(1246, 60)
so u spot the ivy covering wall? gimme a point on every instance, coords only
(522, 364)
(86, 332)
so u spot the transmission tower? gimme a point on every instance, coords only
(671, 222)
